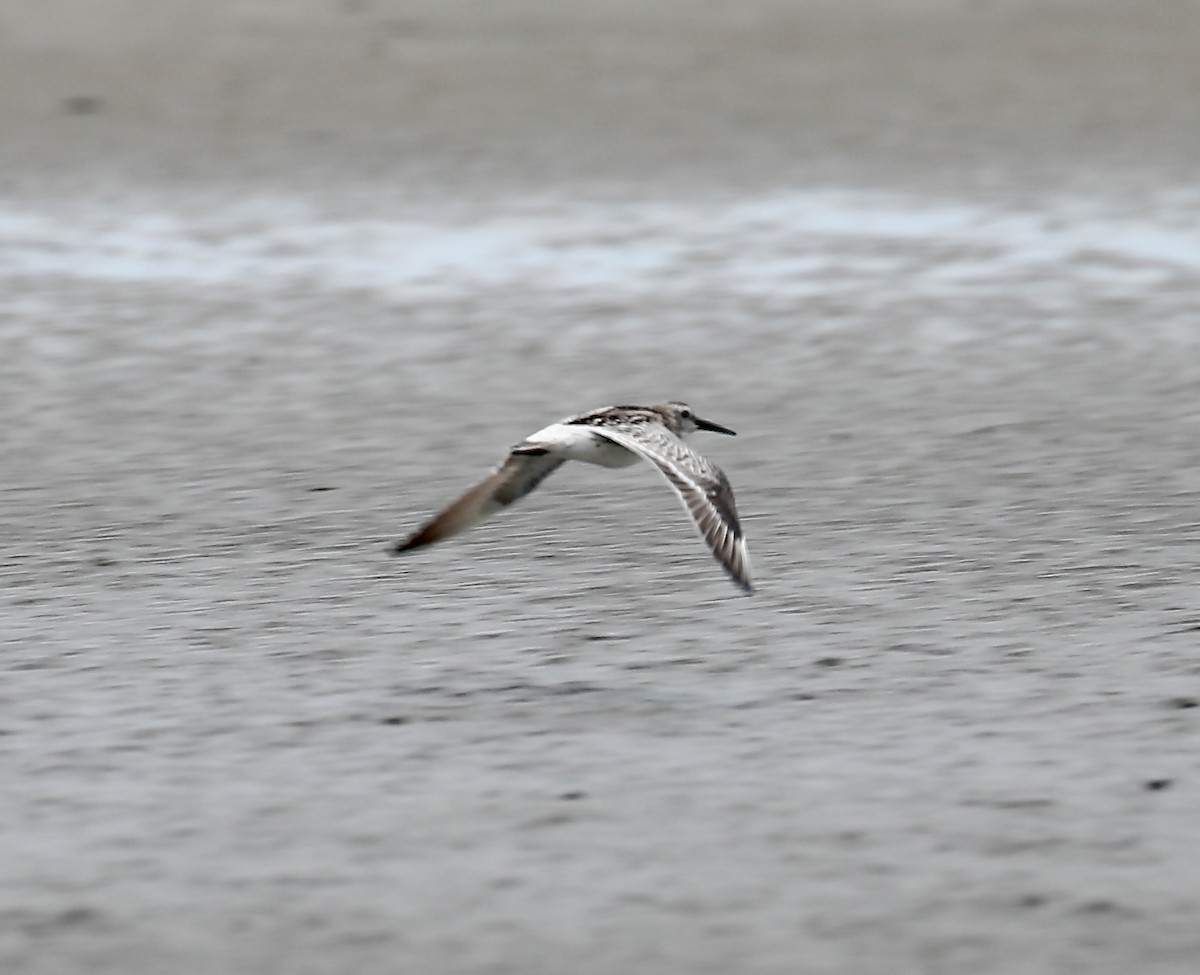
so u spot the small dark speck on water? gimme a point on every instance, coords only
(574, 794)
(1157, 785)
(395, 719)
(78, 915)
(830, 661)
(82, 105)
(1099, 905)
(1183, 703)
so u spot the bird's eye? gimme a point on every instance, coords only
(686, 414)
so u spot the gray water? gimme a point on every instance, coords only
(958, 715)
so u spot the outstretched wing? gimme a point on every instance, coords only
(702, 487)
(523, 470)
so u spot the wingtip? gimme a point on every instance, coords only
(434, 531)
(739, 575)
(744, 583)
(739, 572)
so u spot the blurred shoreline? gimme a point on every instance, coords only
(413, 98)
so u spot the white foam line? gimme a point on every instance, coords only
(793, 244)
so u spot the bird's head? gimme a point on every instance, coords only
(681, 421)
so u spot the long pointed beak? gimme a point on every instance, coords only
(713, 427)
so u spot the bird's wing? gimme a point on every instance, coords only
(523, 470)
(702, 487)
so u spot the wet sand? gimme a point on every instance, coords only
(276, 279)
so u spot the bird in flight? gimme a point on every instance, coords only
(613, 436)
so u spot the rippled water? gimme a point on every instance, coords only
(966, 465)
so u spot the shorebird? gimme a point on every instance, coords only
(613, 436)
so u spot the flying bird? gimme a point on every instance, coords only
(613, 436)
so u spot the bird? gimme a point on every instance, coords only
(612, 436)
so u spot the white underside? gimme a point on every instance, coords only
(583, 444)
